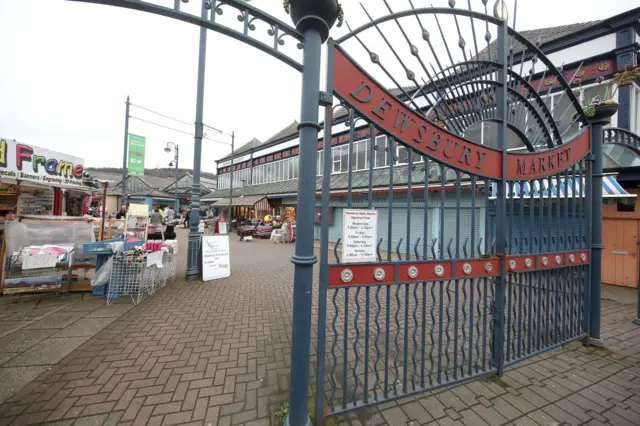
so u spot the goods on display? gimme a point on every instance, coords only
(36, 269)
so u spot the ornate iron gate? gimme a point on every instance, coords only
(478, 256)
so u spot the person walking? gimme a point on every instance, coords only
(156, 217)
(187, 217)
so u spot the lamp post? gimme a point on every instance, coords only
(233, 137)
(167, 149)
(124, 154)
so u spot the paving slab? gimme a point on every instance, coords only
(22, 340)
(9, 327)
(48, 352)
(16, 378)
(57, 320)
(85, 327)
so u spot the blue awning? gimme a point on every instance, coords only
(570, 187)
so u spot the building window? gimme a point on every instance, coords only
(628, 207)
(381, 153)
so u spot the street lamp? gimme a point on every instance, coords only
(167, 149)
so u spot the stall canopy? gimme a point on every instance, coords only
(563, 188)
(260, 202)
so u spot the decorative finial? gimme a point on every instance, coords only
(500, 10)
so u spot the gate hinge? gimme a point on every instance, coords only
(590, 157)
(326, 99)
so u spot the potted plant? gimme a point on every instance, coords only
(320, 14)
(605, 106)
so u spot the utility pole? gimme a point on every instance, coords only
(123, 201)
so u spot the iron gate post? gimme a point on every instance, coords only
(304, 257)
(123, 200)
(233, 142)
(595, 290)
(193, 247)
(636, 320)
(501, 280)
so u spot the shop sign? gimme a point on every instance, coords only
(29, 163)
(136, 155)
(359, 235)
(216, 260)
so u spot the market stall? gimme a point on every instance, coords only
(43, 234)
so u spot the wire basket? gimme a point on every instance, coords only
(130, 277)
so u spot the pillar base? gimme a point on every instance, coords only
(595, 342)
(308, 423)
(636, 320)
(192, 277)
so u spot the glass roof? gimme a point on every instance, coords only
(619, 156)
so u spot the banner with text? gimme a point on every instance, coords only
(136, 155)
(27, 162)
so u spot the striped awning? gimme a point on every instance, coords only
(563, 188)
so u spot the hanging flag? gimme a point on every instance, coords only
(136, 155)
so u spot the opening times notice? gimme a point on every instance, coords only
(359, 236)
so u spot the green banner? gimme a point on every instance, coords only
(136, 155)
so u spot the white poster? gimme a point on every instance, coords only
(222, 228)
(28, 162)
(216, 259)
(359, 236)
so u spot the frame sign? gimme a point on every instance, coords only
(216, 258)
(359, 235)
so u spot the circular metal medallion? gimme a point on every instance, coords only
(572, 258)
(528, 262)
(558, 260)
(438, 270)
(545, 261)
(378, 274)
(413, 272)
(512, 265)
(346, 275)
(466, 268)
(488, 267)
(583, 257)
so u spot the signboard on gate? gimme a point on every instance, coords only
(359, 236)
(216, 258)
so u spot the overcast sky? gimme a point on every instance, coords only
(66, 69)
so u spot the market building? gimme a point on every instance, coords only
(590, 54)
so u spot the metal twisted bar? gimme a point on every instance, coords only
(248, 15)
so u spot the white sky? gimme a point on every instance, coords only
(66, 69)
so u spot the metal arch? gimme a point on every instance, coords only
(520, 80)
(248, 14)
(529, 107)
(477, 15)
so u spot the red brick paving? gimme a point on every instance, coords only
(218, 353)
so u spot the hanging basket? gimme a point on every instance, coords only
(320, 15)
(599, 111)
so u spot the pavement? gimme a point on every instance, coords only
(218, 353)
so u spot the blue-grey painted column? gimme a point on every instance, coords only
(501, 206)
(636, 320)
(176, 202)
(233, 138)
(595, 290)
(625, 57)
(123, 200)
(304, 257)
(193, 246)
